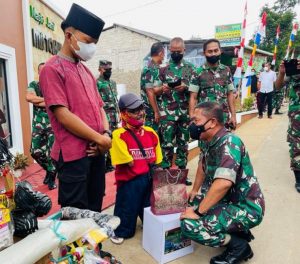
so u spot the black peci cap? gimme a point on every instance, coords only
(84, 21)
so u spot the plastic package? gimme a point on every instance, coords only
(59, 233)
(90, 257)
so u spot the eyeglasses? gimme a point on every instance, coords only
(136, 110)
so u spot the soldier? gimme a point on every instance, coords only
(293, 133)
(42, 134)
(174, 106)
(213, 82)
(277, 101)
(108, 91)
(149, 81)
(230, 201)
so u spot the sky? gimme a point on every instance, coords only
(172, 18)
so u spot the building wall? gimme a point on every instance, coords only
(41, 55)
(12, 35)
(126, 50)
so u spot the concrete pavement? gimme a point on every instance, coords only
(278, 237)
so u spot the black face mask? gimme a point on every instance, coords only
(195, 131)
(107, 74)
(176, 56)
(213, 59)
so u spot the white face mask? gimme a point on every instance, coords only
(266, 68)
(86, 50)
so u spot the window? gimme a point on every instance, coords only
(5, 125)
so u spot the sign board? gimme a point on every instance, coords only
(229, 35)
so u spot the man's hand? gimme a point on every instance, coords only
(156, 117)
(189, 214)
(282, 68)
(165, 88)
(93, 150)
(191, 195)
(180, 88)
(104, 144)
(232, 121)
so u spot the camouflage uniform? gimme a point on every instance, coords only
(293, 133)
(241, 208)
(42, 134)
(174, 114)
(213, 85)
(109, 94)
(150, 79)
(277, 99)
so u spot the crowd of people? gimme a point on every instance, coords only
(90, 131)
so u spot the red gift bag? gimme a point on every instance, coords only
(169, 194)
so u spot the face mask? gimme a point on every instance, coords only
(195, 131)
(266, 68)
(107, 74)
(213, 59)
(135, 123)
(86, 50)
(176, 56)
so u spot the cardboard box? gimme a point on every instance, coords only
(162, 237)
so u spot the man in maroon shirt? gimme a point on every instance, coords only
(76, 113)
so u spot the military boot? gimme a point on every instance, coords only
(237, 250)
(46, 179)
(51, 181)
(297, 184)
(247, 235)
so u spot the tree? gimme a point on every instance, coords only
(281, 14)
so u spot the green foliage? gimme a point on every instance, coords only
(281, 14)
(248, 103)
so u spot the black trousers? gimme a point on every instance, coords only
(132, 197)
(82, 183)
(264, 98)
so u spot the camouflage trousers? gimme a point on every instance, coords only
(151, 123)
(41, 144)
(293, 137)
(174, 133)
(112, 118)
(277, 100)
(211, 229)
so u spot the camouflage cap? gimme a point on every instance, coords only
(105, 64)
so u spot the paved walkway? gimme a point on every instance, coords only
(278, 237)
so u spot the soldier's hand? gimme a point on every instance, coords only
(191, 195)
(180, 88)
(189, 214)
(282, 67)
(104, 144)
(156, 117)
(165, 88)
(232, 123)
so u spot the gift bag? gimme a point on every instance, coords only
(169, 194)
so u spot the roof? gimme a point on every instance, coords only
(141, 32)
(259, 51)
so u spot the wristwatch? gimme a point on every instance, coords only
(196, 211)
(108, 132)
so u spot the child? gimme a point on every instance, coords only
(132, 168)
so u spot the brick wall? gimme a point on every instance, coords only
(126, 50)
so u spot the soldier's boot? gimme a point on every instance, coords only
(297, 184)
(237, 250)
(46, 179)
(51, 181)
(247, 235)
